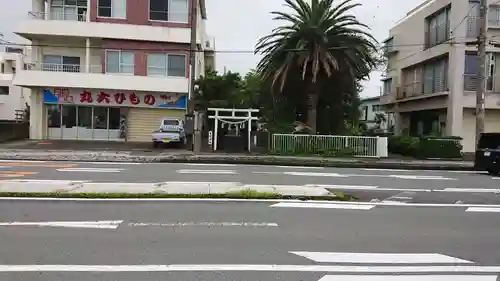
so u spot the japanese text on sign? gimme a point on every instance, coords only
(120, 98)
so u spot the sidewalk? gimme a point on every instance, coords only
(182, 156)
(66, 188)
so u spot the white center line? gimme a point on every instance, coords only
(409, 278)
(92, 170)
(207, 224)
(251, 267)
(220, 172)
(483, 210)
(380, 258)
(323, 206)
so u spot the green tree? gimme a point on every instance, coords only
(317, 42)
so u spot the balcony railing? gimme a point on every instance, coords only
(55, 67)
(58, 16)
(471, 81)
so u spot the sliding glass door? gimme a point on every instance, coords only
(71, 122)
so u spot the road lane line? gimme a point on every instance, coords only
(380, 258)
(415, 177)
(92, 170)
(111, 163)
(483, 209)
(208, 164)
(205, 224)
(470, 190)
(409, 278)
(322, 206)
(299, 167)
(217, 172)
(311, 174)
(455, 269)
(68, 224)
(365, 187)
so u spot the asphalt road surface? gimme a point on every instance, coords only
(408, 186)
(186, 241)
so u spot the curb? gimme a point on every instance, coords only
(269, 197)
(374, 164)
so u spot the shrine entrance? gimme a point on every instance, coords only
(232, 129)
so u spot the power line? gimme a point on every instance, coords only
(7, 43)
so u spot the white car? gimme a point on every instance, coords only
(171, 131)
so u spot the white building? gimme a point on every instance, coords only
(13, 99)
(369, 109)
(431, 70)
(109, 69)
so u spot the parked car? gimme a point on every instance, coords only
(487, 156)
(171, 130)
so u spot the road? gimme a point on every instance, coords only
(443, 187)
(188, 241)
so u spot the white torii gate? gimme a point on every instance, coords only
(225, 119)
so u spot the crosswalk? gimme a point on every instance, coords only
(350, 266)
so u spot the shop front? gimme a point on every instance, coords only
(79, 114)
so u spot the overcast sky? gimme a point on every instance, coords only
(237, 25)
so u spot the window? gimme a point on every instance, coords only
(119, 62)
(68, 10)
(494, 15)
(112, 9)
(470, 72)
(387, 86)
(2, 67)
(4, 90)
(61, 63)
(438, 28)
(169, 10)
(166, 65)
(435, 77)
(376, 108)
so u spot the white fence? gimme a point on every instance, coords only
(327, 145)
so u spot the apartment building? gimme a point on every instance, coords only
(13, 99)
(431, 79)
(110, 69)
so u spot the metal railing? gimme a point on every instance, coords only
(410, 90)
(56, 67)
(329, 145)
(57, 16)
(470, 82)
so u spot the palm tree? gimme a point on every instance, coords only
(316, 41)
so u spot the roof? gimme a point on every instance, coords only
(370, 99)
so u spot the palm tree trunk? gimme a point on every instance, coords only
(312, 106)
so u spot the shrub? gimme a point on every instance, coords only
(426, 147)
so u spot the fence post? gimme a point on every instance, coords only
(382, 147)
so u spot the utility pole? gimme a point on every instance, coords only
(481, 69)
(192, 60)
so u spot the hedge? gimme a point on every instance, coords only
(426, 147)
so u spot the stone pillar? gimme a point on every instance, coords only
(455, 115)
(37, 128)
(87, 55)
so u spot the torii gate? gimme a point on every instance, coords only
(225, 119)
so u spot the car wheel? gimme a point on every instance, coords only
(155, 144)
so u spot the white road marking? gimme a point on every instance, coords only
(5, 167)
(208, 164)
(68, 224)
(365, 187)
(207, 224)
(218, 172)
(415, 177)
(322, 206)
(219, 200)
(483, 209)
(389, 170)
(496, 178)
(298, 167)
(381, 258)
(311, 174)
(111, 163)
(409, 278)
(470, 190)
(92, 170)
(252, 267)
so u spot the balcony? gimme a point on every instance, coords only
(471, 81)
(93, 77)
(40, 25)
